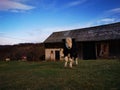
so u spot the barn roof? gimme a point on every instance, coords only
(97, 33)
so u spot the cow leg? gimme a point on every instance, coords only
(76, 61)
(71, 62)
(66, 61)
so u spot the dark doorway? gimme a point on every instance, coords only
(57, 55)
(89, 51)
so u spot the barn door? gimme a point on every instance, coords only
(57, 55)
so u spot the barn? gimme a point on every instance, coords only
(98, 42)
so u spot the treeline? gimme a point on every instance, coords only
(26, 51)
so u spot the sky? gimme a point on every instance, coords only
(32, 21)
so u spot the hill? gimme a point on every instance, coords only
(17, 52)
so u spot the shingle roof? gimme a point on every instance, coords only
(97, 33)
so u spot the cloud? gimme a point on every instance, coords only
(115, 10)
(8, 41)
(9, 5)
(108, 20)
(107, 17)
(110, 16)
(74, 3)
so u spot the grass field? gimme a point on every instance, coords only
(88, 75)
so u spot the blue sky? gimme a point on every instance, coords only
(32, 21)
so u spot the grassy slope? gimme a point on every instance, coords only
(88, 75)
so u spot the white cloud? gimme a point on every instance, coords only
(14, 6)
(108, 20)
(74, 3)
(115, 10)
(107, 17)
(15, 11)
(21, 0)
(8, 41)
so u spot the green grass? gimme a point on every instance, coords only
(88, 75)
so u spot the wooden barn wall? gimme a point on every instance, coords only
(79, 48)
(50, 54)
(51, 49)
(103, 49)
(114, 49)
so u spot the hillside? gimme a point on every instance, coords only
(17, 52)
